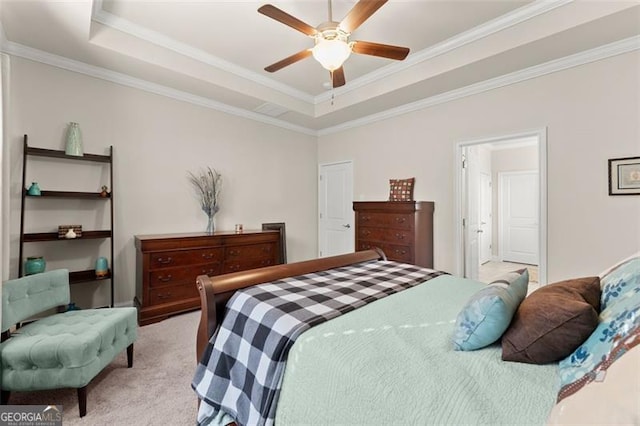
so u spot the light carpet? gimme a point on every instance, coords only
(156, 390)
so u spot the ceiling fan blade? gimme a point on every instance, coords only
(288, 61)
(338, 77)
(360, 13)
(382, 50)
(283, 17)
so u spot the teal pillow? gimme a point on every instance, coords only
(488, 313)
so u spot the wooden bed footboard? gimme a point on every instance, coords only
(216, 291)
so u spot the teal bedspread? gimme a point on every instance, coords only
(393, 362)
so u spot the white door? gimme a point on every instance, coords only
(485, 236)
(336, 229)
(471, 230)
(520, 217)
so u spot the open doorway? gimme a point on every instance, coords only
(501, 206)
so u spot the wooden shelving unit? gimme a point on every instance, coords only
(75, 277)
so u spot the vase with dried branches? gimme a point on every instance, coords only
(207, 185)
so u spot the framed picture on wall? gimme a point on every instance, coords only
(624, 176)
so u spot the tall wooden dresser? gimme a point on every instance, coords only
(402, 229)
(167, 266)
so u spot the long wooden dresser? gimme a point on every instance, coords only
(402, 229)
(167, 266)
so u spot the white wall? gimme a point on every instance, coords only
(592, 113)
(508, 160)
(269, 173)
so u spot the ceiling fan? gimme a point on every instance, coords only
(332, 45)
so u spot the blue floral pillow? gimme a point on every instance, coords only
(619, 280)
(488, 313)
(618, 330)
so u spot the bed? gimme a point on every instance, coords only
(392, 359)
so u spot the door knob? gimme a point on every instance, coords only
(347, 226)
(479, 231)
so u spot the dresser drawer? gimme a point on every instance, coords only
(385, 235)
(386, 220)
(165, 259)
(399, 253)
(243, 265)
(186, 274)
(393, 252)
(256, 251)
(174, 293)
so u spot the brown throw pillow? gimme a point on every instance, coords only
(553, 321)
(401, 189)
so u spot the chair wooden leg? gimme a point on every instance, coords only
(5, 397)
(130, 356)
(82, 400)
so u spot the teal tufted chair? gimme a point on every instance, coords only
(65, 350)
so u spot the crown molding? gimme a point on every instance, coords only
(103, 17)
(602, 52)
(36, 55)
(500, 23)
(599, 53)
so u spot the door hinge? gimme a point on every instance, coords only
(464, 162)
(320, 177)
(320, 215)
(464, 222)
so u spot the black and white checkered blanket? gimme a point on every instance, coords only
(243, 365)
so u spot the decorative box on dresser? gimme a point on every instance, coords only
(402, 229)
(168, 264)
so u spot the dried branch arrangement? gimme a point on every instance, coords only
(207, 184)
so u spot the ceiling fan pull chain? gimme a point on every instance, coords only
(333, 89)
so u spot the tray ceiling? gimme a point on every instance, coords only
(213, 52)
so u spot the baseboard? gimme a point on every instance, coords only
(123, 305)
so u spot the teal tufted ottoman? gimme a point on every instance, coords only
(64, 350)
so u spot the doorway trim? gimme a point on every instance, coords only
(458, 243)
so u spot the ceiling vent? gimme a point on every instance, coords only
(272, 110)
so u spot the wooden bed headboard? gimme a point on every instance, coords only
(216, 291)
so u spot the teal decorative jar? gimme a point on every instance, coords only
(102, 267)
(34, 265)
(34, 189)
(74, 141)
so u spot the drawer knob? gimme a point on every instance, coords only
(164, 295)
(164, 279)
(165, 261)
(207, 255)
(366, 232)
(401, 251)
(400, 236)
(401, 219)
(234, 252)
(208, 272)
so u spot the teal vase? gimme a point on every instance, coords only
(74, 141)
(34, 189)
(34, 265)
(102, 267)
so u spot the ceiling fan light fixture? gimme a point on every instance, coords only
(331, 53)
